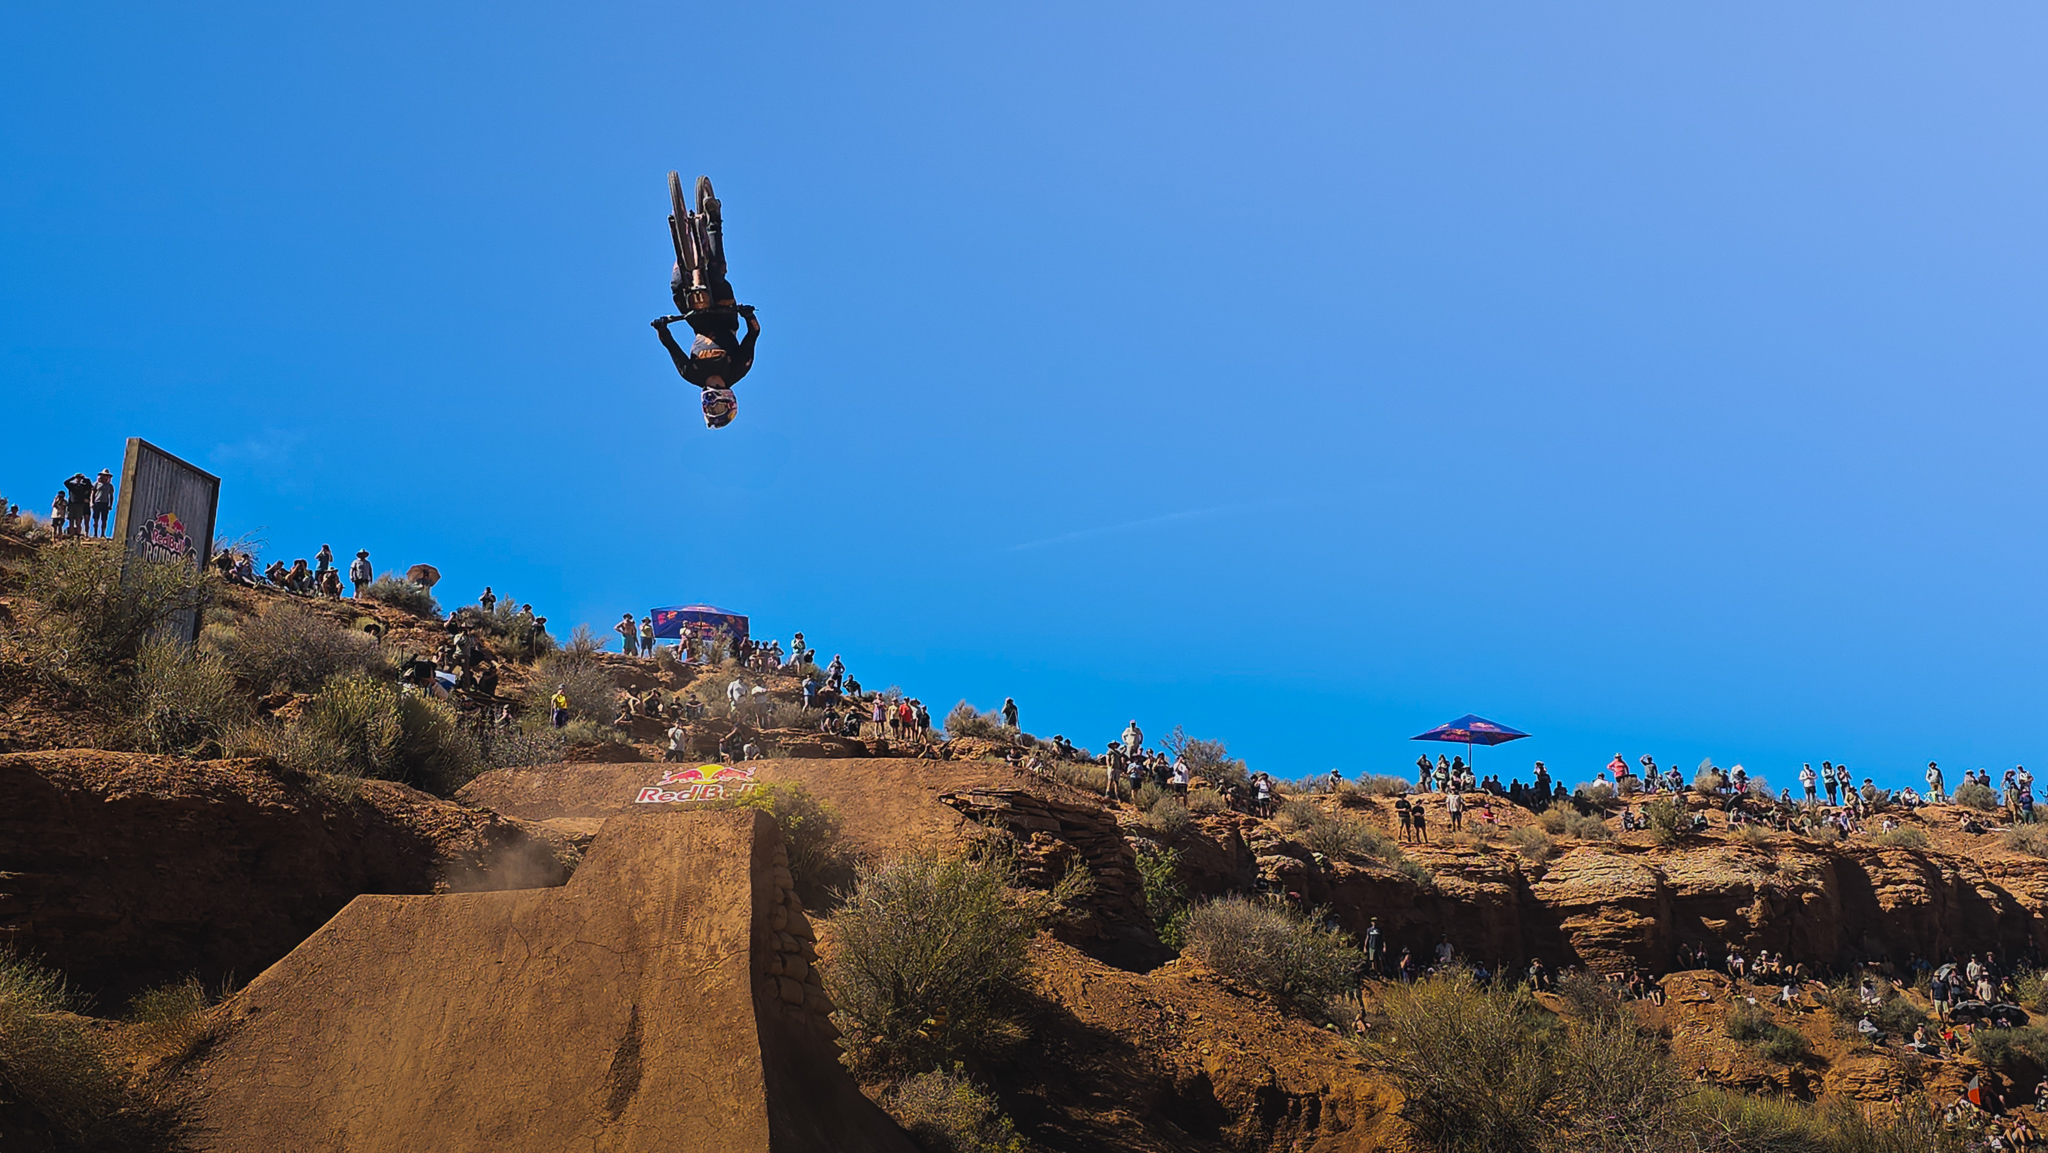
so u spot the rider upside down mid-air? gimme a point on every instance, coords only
(718, 357)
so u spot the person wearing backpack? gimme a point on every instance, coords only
(359, 571)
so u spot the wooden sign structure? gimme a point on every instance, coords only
(165, 511)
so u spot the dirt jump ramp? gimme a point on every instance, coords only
(661, 1000)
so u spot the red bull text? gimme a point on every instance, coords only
(703, 783)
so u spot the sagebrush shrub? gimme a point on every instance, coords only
(1534, 843)
(185, 703)
(1209, 760)
(964, 720)
(1484, 1069)
(2029, 839)
(592, 694)
(171, 1022)
(1752, 1026)
(1272, 947)
(1667, 820)
(400, 593)
(2011, 1050)
(88, 607)
(1169, 816)
(813, 835)
(1337, 834)
(946, 1112)
(361, 726)
(929, 960)
(292, 648)
(59, 1069)
(1975, 796)
(1908, 837)
(514, 746)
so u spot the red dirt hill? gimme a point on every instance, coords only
(126, 871)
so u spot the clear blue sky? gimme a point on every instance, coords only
(1656, 379)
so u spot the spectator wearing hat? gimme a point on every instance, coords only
(102, 501)
(58, 508)
(78, 503)
(359, 571)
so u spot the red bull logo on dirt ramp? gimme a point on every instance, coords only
(702, 783)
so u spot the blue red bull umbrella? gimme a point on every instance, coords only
(1470, 730)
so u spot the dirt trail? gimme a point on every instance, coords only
(888, 804)
(656, 1002)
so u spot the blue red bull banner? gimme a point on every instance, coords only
(703, 783)
(700, 621)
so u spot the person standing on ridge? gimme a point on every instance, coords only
(1134, 738)
(102, 502)
(647, 636)
(487, 602)
(629, 635)
(1009, 712)
(359, 571)
(78, 503)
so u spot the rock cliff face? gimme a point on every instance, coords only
(1611, 905)
(126, 871)
(1622, 903)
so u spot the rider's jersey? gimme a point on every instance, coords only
(711, 357)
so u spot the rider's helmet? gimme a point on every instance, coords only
(720, 406)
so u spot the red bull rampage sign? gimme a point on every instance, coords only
(703, 783)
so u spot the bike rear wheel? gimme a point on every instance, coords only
(679, 221)
(707, 202)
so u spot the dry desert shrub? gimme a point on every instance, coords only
(1562, 820)
(171, 1022)
(398, 592)
(820, 859)
(592, 694)
(2029, 839)
(929, 960)
(1168, 816)
(291, 648)
(360, 726)
(1534, 843)
(966, 721)
(1272, 947)
(88, 608)
(946, 1112)
(1485, 1068)
(1905, 837)
(61, 1073)
(1975, 796)
(184, 702)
